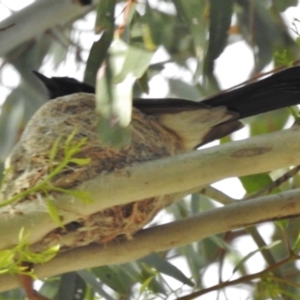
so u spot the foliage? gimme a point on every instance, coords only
(11, 260)
(57, 163)
(194, 34)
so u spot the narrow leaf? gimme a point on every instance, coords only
(80, 161)
(90, 279)
(53, 211)
(167, 268)
(250, 254)
(54, 150)
(105, 15)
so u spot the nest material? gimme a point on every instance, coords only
(29, 163)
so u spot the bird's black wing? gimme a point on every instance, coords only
(279, 90)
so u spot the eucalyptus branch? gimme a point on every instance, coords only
(252, 230)
(245, 279)
(164, 237)
(164, 176)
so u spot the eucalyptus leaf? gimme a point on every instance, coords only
(15, 294)
(50, 287)
(254, 183)
(250, 254)
(219, 23)
(53, 211)
(265, 27)
(114, 87)
(97, 56)
(105, 16)
(10, 120)
(165, 267)
(91, 279)
(113, 277)
(71, 287)
(282, 5)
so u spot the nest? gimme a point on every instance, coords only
(29, 164)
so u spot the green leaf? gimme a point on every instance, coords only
(11, 260)
(250, 254)
(155, 285)
(254, 183)
(50, 287)
(266, 30)
(105, 16)
(54, 150)
(46, 255)
(12, 113)
(97, 56)
(68, 141)
(82, 195)
(53, 211)
(220, 242)
(194, 259)
(58, 50)
(136, 63)
(283, 225)
(194, 12)
(282, 58)
(163, 266)
(71, 287)
(160, 26)
(114, 108)
(146, 284)
(270, 122)
(80, 161)
(282, 5)
(295, 247)
(114, 91)
(91, 280)
(115, 137)
(219, 23)
(114, 278)
(15, 294)
(6, 260)
(184, 90)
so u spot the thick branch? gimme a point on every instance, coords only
(164, 237)
(164, 176)
(35, 19)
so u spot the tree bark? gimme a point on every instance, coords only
(164, 237)
(164, 176)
